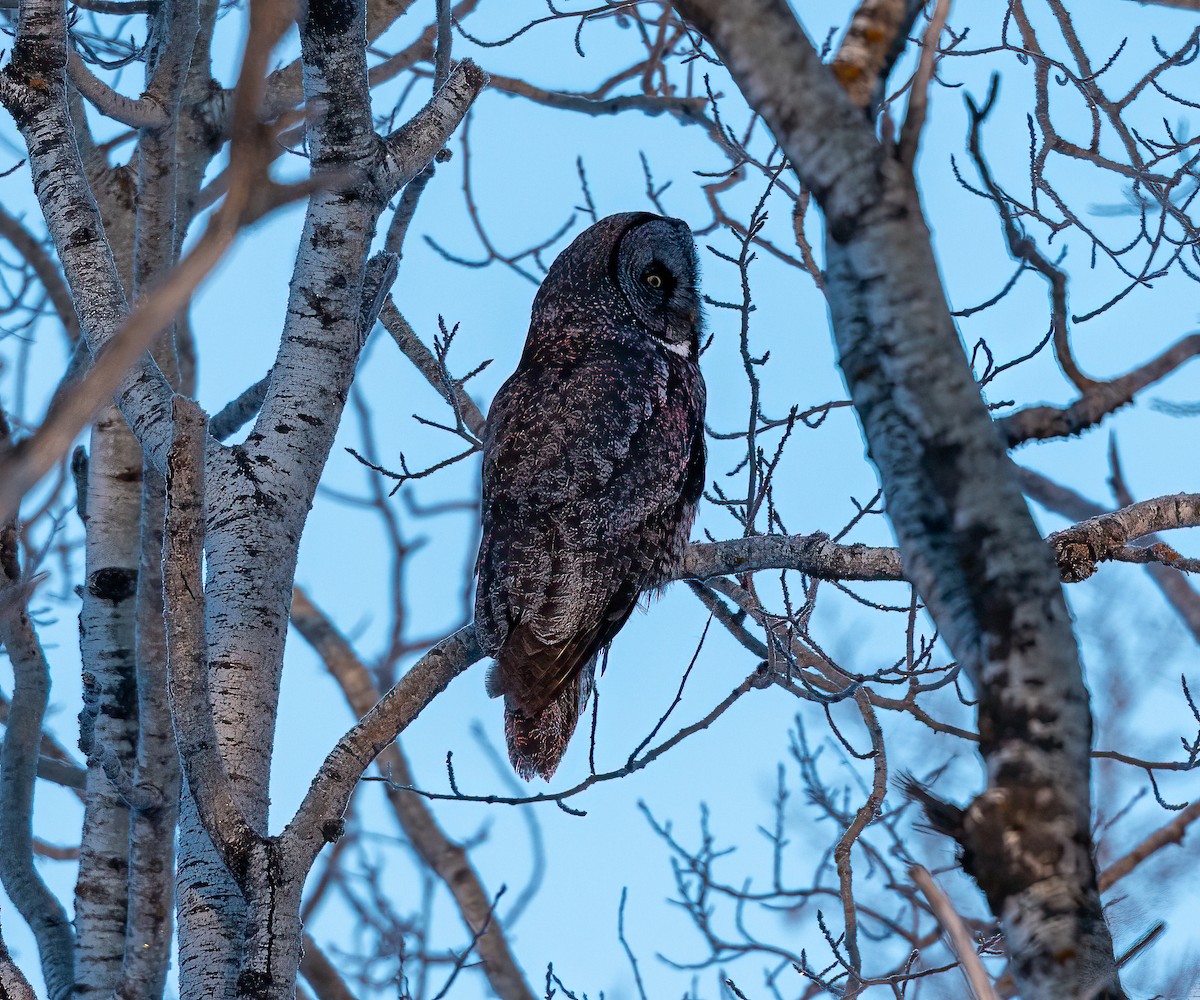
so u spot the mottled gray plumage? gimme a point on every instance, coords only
(593, 464)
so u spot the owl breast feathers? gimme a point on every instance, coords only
(593, 465)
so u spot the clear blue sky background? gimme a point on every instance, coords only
(526, 184)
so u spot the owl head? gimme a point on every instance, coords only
(630, 271)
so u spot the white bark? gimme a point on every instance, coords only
(107, 647)
(261, 494)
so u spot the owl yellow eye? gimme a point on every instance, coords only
(659, 277)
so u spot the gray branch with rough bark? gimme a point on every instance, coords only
(966, 538)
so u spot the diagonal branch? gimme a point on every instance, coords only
(46, 270)
(918, 101)
(135, 112)
(319, 817)
(427, 364)
(1040, 423)
(960, 938)
(55, 763)
(321, 975)
(1171, 833)
(408, 150)
(13, 983)
(443, 856)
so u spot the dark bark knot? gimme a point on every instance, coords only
(1003, 838)
(253, 983)
(325, 235)
(329, 17)
(1076, 559)
(10, 563)
(113, 584)
(332, 830)
(36, 82)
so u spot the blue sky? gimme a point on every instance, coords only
(526, 183)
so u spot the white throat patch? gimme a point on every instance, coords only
(683, 350)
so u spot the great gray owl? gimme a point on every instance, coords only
(593, 463)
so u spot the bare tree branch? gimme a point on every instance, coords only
(18, 770)
(321, 975)
(427, 364)
(918, 102)
(1179, 4)
(1171, 833)
(1081, 546)
(134, 112)
(409, 149)
(1181, 595)
(866, 813)
(815, 555)
(46, 270)
(13, 983)
(319, 815)
(686, 109)
(446, 858)
(54, 762)
(1040, 423)
(964, 949)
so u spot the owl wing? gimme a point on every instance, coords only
(577, 461)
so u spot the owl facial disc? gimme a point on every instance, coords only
(656, 270)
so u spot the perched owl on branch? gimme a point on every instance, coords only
(593, 465)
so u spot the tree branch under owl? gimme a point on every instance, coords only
(814, 555)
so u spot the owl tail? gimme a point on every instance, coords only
(536, 743)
